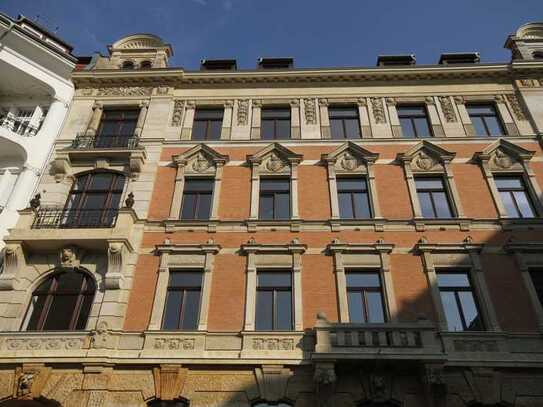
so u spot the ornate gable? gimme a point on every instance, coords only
(350, 158)
(504, 156)
(274, 159)
(426, 157)
(200, 160)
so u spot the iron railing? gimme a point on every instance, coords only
(105, 141)
(57, 218)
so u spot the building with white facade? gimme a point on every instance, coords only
(35, 92)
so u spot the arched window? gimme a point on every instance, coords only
(146, 65)
(128, 65)
(62, 302)
(94, 200)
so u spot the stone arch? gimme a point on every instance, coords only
(530, 31)
(136, 41)
(39, 402)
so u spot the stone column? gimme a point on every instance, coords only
(295, 130)
(144, 106)
(393, 115)
(464, 116)
(433, 116)
(325, 119)
(255, 191)
(511, 128)
(227, 120)
(22, 190)
(94, 122)
(255, 124)
(364, 118)
(294, 191)
(186, 131)
(250, 303)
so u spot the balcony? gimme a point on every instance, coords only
(105, 142)
(393, 341)
(58, 218)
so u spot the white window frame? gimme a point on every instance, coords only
(269, 257)
(505, 158)
(427, 159)
(363, 256)
(189, 257)
(200, 161)
(462, 256)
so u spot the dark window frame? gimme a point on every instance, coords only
(363, 290)
(411, 117)
(456, 289)
(342, 119)
(184, 288)
(208, 122)
(275, 290)
(107, 213)
(352, 191)
(268, 110)
(266, 193)
(121, 118)
(87, 288)
(484, 116)
(510, 191)
(537, 282)
(431, 192)
(198, 195)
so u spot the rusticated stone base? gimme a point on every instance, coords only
(301, 386)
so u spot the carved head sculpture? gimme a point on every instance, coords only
(424, 161)
(201, 163)
(24, 384)
(68, 256)
(274, 163)
(348, 162)
(502, 160)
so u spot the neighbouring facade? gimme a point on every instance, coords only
(35, 92)
(284, 237)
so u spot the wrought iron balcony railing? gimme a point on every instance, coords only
(57, 218)
(105, 141)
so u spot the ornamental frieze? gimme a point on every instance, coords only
(516, 107)
(44, 344)
(243, 112)
(448, 109)
(125, 91)
(174, 343)
(310, 111)
(378, 110)
(177, 115)
(273, 344)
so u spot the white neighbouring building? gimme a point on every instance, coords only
(35, 93)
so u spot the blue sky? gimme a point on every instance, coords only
(316, 33)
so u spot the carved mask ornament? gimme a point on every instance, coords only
(274, 163)
(424, 161)
(502, 160)
(348, 162)
(200, 164)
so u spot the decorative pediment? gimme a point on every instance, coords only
(274, 159)
(349, 158)
(426, 157)
(504, 156)
(201, 160)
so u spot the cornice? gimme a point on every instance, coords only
(180, 77)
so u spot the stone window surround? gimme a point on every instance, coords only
(179, 257)
(257, 162)
(269, 257)
(502, 109)
(365, 170)
(487, 160)
(440, 157)
(189, 109)
(258, 104)
(363, 257)
(363, 115)
(429, 102)
(215, 161)
(462, 256)
(529, 255)
(98, 109)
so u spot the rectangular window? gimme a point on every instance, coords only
(274, 301)
(353, 198)
(414, 121)
(207, 124)
(275, 123)
(344, 122)
(274, 198)
(433, 198)
(182, 307)
(515, 197)
(537, 281)
(197, 198)
(485, 119)
(459, 303)
(116, 127)
(365, 297)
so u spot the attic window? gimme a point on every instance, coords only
(459, 58)
(128, 65)
(275, 63)
(393, 60)
(218, 64)
(146, 65)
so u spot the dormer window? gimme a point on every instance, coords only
(128, 65)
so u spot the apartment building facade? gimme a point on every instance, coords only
(284, 237)
(35, 69)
